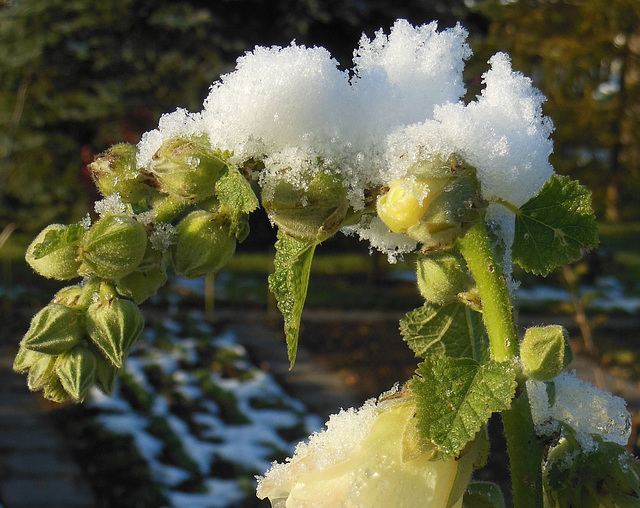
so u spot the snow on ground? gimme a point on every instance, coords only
(199, 412)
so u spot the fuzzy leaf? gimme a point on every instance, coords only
(456, 396)
(553, 226)
(234, 192)
(453, 330)
(57, 238)
(289, 284)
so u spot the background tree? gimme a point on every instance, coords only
(78, 76)
(585, 57)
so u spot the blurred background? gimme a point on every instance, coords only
(77, 76)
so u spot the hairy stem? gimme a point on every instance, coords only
(496, 302)
(524, 450)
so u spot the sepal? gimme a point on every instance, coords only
(41, 372)
(24, 359)
(204, 244)
(113, 247)
(76, 370)
(106, 375)
(113, 325)
(54, 330)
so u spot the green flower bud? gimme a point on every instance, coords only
(545, 352)
(188, 168)
(204, 244)
(54, 330)
(313, 213)
(41, 372)
(106, 375)
(115, 171)
(54, 252)
(442, 276)
(434, 205)
(69, 296)
(114, 325)
(113, 247)
(76, 370)
(55, 391)
(25, 359)
(140, 285)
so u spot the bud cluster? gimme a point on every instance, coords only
(80, 339)
(187, 211)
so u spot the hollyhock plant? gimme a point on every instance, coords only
(388, 151)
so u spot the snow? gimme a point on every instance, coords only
(204, 434)
(294, 110)
(585, 408)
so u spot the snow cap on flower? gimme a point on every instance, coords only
(370, 457)
(503, 134)
(293, 111)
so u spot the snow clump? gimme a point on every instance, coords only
(293, 110)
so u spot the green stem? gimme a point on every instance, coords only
(496, 302)
(525, 453)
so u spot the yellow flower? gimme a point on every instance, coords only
(369, 458)
(405, 203)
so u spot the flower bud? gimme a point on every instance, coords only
(54, 330)
(25, 359)
(55, 391)
(204, 244)
(442, 276)
(113, 247)
(70, 296)
(115, 171)
(106, 375)
(188, 168)
(114, 325)
(76, 370)
(313, 213)
(434, 204)
(545, 352)
(60, 258)
(363, 459)
(140, 285)
(41, 372)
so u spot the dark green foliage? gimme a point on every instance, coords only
(583, 55)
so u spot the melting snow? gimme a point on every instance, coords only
(222, 423)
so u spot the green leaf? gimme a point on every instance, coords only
(58, 238)
(456, 396)
(483, 495)
(553, 226)
(234, 192)
(453, 330)
(289, 284)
